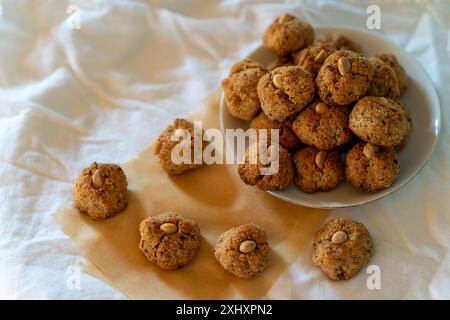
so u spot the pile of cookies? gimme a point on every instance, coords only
(337, 111)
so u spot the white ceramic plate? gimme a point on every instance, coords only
(422, 102)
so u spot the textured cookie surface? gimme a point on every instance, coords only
(240, 91)
(324, 130)
(374, 173)
(277, 179)
(169, 240)
(339, 259)
(287, 138)
(380, 121)
(384, 82)
(285, 91)
(335, 87)
(311, 176)
(313, 57)
(402, 77)
(238, 263)
(101, 191)
(165, 145)
(288, 34)
(339, 41)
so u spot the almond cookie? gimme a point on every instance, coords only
(169, 240)
(313, 57)
(101, 191)
(405, 140)
(341, 248)
(344, 78)
(384, 82)
(380, 121)
(243, 251)
(182, 132)
(287, 138)
(285, 61)
(322, 126)
(339, 41)
(285, 91)
(240, 89)
(252, 173)
(317, 170)
(288, 34)
(371, 168)
(402, 78)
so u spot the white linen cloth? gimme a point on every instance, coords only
(103, 92)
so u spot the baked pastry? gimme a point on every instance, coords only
(285, 91)
(339, 41)
(402, 77)
(341, 248)
(281, 175)
(287, 138)
(169, 240)
(316, 170)
(344, 78)
(288, 34)
(384, 82)
(313, 57)
(380, 121)
(370, 167)
(322, 126)
(178, 131)
(239, 89)
(101, 191)
(243, 251)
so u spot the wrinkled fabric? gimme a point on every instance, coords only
(103, 92)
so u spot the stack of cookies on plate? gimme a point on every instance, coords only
(337, 111)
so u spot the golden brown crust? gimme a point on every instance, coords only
(165, 145)
(169, 251)
(285, 61)
(342, 261)
(339, 41)
(380, 121)
(384, 82)
(402, 77)
(324, 131)
(296, 92)
(240, 91)
(109, 199)
(378, 172)
(313, 57)
(334, 88)
(310, 178)
(288, 34)
(243, 265)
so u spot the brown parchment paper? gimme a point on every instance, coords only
(217, 200)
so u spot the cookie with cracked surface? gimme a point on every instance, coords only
(344, 78)
(342, 248)
(287, 138)
(288, 34)
(322, 126)
(370, 167)
(402, 77)
(169, 240)
(384, 82)
(380, 121)
(182, 131)
(243, 251)
(101, 191)
(239, 89)
(339, 41)
(316, 170)
(313, 57)
(285, 91)
(279, 172)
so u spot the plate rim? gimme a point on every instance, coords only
(391, 189)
